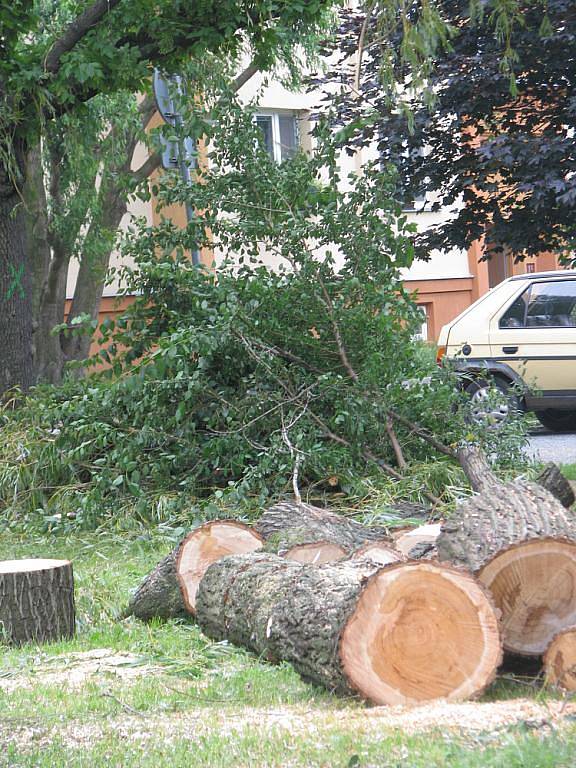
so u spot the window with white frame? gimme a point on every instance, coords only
(280, 133)
(422, 333)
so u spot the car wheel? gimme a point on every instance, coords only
(484, 407)
(557, 421)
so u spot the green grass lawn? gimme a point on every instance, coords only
(182, 700)
(569, 470)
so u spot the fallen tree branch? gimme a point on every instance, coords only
(395, 444)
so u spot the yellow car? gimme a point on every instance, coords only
(520, 336)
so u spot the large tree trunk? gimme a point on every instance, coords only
(521, 543)
(36, 600)
(99, 243)
(38, 237)
(16, 359)
(102, 234)
(159, 595)
(405, 633)
(49, 265)
(289, 524)
(169, 591)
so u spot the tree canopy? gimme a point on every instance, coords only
(498, 144)
(56, 56)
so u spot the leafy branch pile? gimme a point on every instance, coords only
(251, 381)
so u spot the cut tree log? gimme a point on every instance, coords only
(401, 634)
(410, 509)
(521, 544)
(554, 481)
(317, 554)
(206, 545)
(36, 601)
(289, 524)
(560, 660)
(480, 476)
(424, 534)
(159, 595)
(381, 552)
(169, 591)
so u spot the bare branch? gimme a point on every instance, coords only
(361, 44)
(75, 31)
(146, 109)
(422, 433)
(279, 352)
(243, 77)
(337, 335)
(147, 168)
(395, 444)
(295, 453)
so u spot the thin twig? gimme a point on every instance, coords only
(337, 335)
(124, 706)
(422, 433)
(361, 40)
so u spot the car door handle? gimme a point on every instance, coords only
(509, 350)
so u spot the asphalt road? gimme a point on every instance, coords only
(548, 446)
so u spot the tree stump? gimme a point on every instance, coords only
(521, 544)
(405, 633)
(289, 524)
(169, 591)
(560, 660)
(36, 601)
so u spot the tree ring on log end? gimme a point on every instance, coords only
(316, 553)
(534, 586)
(421, 631)
(560, 660)
(204, 546)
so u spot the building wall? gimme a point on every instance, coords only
(443, 286)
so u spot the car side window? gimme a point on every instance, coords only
(552, 305)
(515, 315)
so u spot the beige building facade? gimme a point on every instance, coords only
(443, 286)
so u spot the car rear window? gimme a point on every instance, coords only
(549, 305)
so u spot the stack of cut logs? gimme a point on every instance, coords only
(424, 615)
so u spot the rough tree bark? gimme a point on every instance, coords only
(52, 352)
(159, 595)
(16, 300)
(50, 268)
(289, 524)
(554, 481)
(169, 591)
(36, 600)
(521, 543)
(404, 633)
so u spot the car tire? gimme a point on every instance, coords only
(557, 421)
(478, 390)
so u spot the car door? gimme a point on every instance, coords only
(536, 336)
